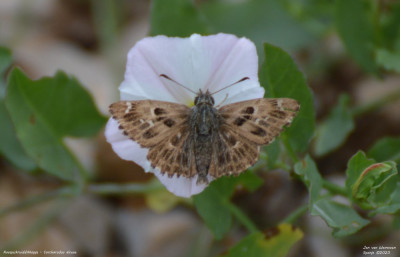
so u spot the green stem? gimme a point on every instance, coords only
(118, 189)
(70, 191)
(377, 104)
(26, 203)
(333, 188)
(289, 149)
(242, 217)
(292, 217)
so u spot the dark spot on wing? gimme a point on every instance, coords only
(179, 158)
(159, 111)
(144, 126)
(221, 159)
(278, 114)
(249, 110)
(129, 115)
(160, 118)
(135, 123)
(152, 155)
(274, 102)
(258, 132)
(263, 123)
(272, 120)
(169, 122)
(175, 140)
(234, 158)
(239, 121)
(149, 134)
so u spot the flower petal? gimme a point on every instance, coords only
(151, 57)
(199, 62)
(184, 187)
(227, 60)
(125, 147)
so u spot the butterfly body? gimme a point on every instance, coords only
(203, 140)
(204, 121)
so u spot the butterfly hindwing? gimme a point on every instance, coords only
(149, 122)
(260, 120)
(174, 155)
(232, 153)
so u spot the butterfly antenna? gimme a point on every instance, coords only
(223, 101)
(240, 80)
(165, 76)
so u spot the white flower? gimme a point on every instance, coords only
(197, 62)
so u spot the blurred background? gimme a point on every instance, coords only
(89, 39)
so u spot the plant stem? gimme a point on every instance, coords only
(377, 104)
(289, 149)
(118, 189)
(292, 217)
(333, 188)
(70, 191)
(241, 217)
(26, 203)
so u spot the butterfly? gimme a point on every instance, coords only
(203, 140)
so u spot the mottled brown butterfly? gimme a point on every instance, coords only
(203, 139)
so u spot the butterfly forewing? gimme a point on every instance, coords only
(260, 120)
(149, 122)
(161, 127)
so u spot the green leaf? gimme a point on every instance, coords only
(10, 147)
(176, 18)
(375, 184)
(45, 111)
(370, 184)
(275, 242)
(355, 166)
(280, 77)
(334, 130)
(213, 204)
(355, 26)
(389, 60)
(310, 176)
(390, 23)
(343, 219)
(393, 207)
(5, 62)
(259, 20)
(386, 149)
(272, 152)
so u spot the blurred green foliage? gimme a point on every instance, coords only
(36, 116)
(45, 111)
(334, 130)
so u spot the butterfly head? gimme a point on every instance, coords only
(204, 98)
